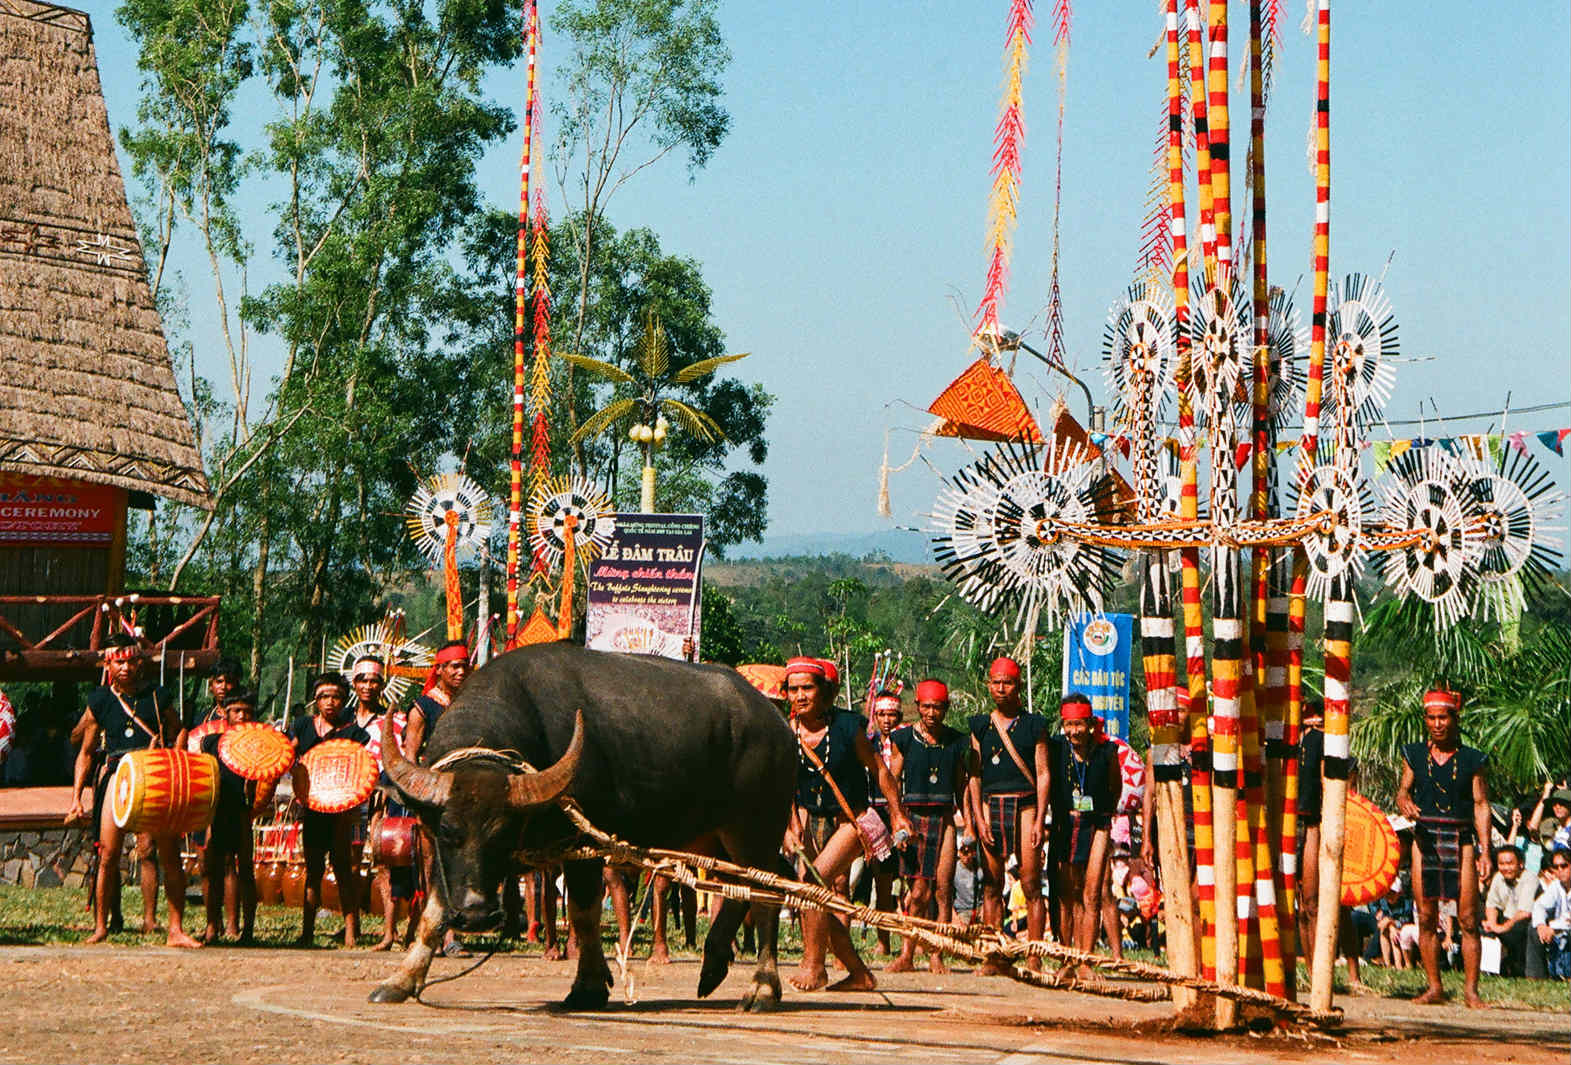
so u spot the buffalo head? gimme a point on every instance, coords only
(476, 813)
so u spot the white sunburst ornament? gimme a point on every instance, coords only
(1429, 495)
(553, 503)
(428, 510)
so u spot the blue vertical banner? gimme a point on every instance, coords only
(1098, 650)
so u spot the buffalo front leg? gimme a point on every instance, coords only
(764, 995)
(411, 974)
(585, 891)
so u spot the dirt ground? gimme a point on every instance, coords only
(153, 1004)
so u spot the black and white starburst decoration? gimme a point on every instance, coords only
(1139, 350)
(378, 642)
(1334, 549)
(1221, 349)
(1428, 493)
(551, 505)
(999, 538)
(1361, 335)
(426, 515)
(1289, 342)
(1518, 505)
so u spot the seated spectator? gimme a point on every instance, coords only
(1552, 916)
(1508, 909)
(1397, 926)
(968, 881)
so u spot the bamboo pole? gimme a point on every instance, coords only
(515, 484)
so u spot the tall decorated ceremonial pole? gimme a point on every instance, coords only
(1265, 739)
(1156, 622)
(1338, 610)
(515, 486)
(1189, 510)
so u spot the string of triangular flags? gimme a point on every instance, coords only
(1383, 451)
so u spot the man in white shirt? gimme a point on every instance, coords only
(1552, 916)
(1508, 909)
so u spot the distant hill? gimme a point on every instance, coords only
(899, 545)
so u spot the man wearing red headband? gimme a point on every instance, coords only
(884, 716)
(129, 714)
(834, 764)
(1444, 791)
(1008, 795)
(449, 670)
(1085, 787)
(930, 764)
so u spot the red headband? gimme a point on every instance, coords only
(887, 702)
(932, 691)
(455, 653)
(1075, 711)
(802, 664)
(122, 652)
(831, 671)
(1441, 699)
(1002, 668)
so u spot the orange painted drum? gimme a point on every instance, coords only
(1370, 852)
(256, 751)
(194, 738)
(164, 792)
(393, 841)
(342, 775)
(768, 679)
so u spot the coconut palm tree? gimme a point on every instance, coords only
(651, 382)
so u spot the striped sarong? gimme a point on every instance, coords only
(1003, 818)
(1440, 856)
(919, 860)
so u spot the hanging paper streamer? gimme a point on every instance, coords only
(1008, 140)
(540, 390)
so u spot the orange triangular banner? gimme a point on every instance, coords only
(983, 404)
(539, 629)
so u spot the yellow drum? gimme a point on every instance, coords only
(164, 792)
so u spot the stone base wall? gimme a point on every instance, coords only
(54, 858)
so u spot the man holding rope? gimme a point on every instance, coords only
(1008, 795)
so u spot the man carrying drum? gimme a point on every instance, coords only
(128, 715)
(227, 869)
(449, 670)
(1008, 794)
(326, 835)
(392, 882)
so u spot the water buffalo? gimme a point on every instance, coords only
(656, 752)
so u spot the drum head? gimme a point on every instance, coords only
(342, 774)
(766, 678)
(256, 751)
(123, 789)
(1370, 853)
(194, 738)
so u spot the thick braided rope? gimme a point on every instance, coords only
(977, 943)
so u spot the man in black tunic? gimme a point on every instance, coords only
(1444, 791)
(128, 714)
(1008, 795)
(929, 762)
(1083, 798)
(227, 868)
(325, 836)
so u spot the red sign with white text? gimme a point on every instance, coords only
(51, 511)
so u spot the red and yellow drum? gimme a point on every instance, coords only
(1370, 852)
(770, 680)
(164, 792)
(342, 775)
(393, 841)
(256, 751)
(194, 738)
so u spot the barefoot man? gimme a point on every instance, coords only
(1008, 794)
(836, 762)
(1443, 790)
(930, 764)
(130, 715)
(1085, 790)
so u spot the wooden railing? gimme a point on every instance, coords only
(44, 637)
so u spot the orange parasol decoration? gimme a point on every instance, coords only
(983, 404)
(342, 775)
(256, 751)
(1370, 853)
(768, 679)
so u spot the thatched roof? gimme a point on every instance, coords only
(86, 386)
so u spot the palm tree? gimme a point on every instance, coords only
(650, 403)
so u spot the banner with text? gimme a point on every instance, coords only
(1098, 649)
(644, 590)
(51, 511)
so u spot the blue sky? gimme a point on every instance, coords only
(840, 224)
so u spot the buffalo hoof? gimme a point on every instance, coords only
(586, 998)
(760, 998)
(390, 993)
(717, 962)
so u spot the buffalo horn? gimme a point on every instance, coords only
(529, 790)
(422, 786)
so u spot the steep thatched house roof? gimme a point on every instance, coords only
(86, 386)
